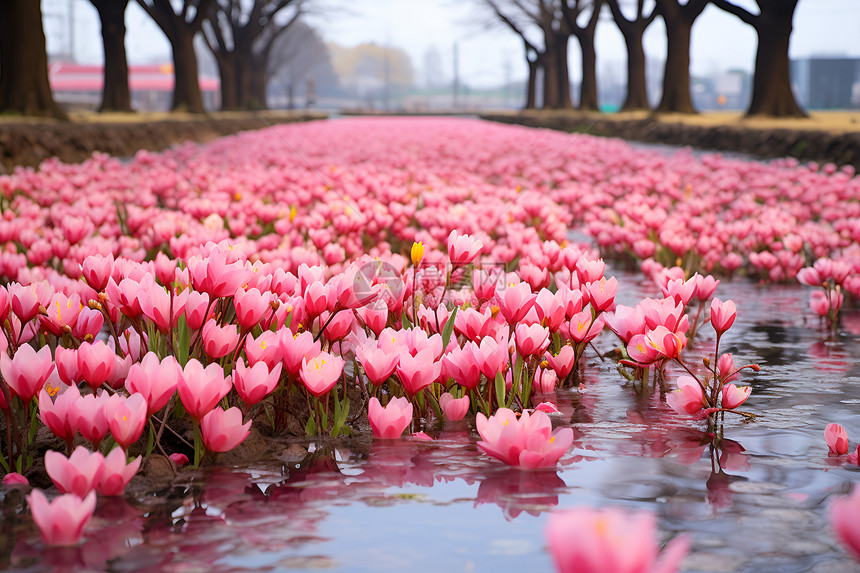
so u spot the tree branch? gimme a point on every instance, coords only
(745, 16)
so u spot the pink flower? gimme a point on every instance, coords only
(96, 270)
(626, 322)
(60, 415)
(201, 388)
(250, 306)
(266, 347)
(545, 380)
(809, 276)
(726, 368)
(492, 356)
(219, 341)
(126, 418)
(178, 459)
(223, 430)
(378, 364)
(389, 422)
(125, 296)
(27, 371)
(316, 298)
(321, 373)
(484, 284)
(116, 473)
(657, 344)
(78, 474)
(453, 409)
(88, 325)
(734, 396)
(462, 249)
(822, 304)
(463, 366)
(96, 362)
(419, 371)
(62, 521)
(688, 398)
(24, 301)
(14, 478)
(531, 339)
(90, 417)
(255, 383)
(295, 349)
(586, 540)
(515, 301)
(528, 442)
(158, 306)
(547, 408)
(845, 520)
(722, 315)
(583, 326)
(66, 360)
(471, 323)
(196, 307)
(156, 381)
(562, 363)
(602, 293)
(836, 438)
(215, 276)
(62, 312)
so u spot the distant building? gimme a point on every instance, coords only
(80, 87)
(827, 82)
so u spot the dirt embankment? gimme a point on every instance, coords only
(823, 137)
(28, 143)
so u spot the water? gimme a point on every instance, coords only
(444, 506)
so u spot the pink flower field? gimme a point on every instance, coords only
(382, 278)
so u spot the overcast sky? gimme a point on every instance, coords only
(486, 56)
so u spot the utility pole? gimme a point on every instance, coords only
(72, 30)
(385, 74)
(456, 86)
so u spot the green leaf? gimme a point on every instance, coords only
(341, 411)
(287, 322)
(518, 372)
(311, 427)
(435, 403)
(323, 416)
(500, 388)
(34, 425)
(182, 341)
(404, 320)
(448, 330)
(150, 441)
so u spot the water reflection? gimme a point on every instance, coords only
(740, 494)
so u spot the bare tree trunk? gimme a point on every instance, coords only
(229, 84)
(551, 89)
(560, 42)
(588, 88)
(24, 85)
(637, 86)
(772, 94)
(676, 96)
(258, 83)
(186, 88)
(679, 20)
(531, 85)
(116, 94)
(632, 30)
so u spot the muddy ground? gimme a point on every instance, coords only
(29, 142)
(824, 137)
